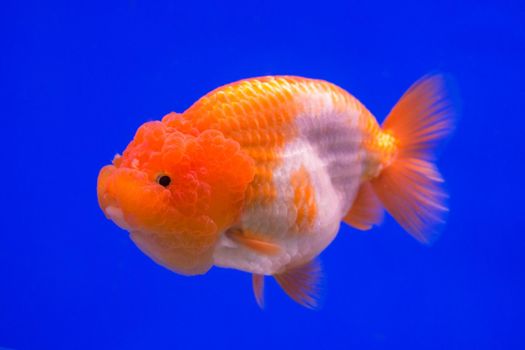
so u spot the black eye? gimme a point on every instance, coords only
(164, 180)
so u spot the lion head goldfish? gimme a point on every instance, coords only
(258, 175)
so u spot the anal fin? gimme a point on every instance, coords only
(366, 210)
(302, 283)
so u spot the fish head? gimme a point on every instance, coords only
(175, 190)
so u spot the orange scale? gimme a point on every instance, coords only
(221, 96)
(246, 92)
(255, 105)
(265, 103)
(252, 152)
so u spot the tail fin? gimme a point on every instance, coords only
(411, 187)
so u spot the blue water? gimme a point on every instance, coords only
(77, 79)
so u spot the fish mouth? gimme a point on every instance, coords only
(115, 214)
(107, 202)
(125, 198)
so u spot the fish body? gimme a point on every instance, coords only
(258, 175)
(311, 146)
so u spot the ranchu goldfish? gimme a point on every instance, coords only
(258, 175)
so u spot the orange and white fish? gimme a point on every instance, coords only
(258, 174)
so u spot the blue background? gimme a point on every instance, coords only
(78, 78)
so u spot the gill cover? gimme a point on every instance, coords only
(177, 225)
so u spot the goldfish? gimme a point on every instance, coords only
(259, 174)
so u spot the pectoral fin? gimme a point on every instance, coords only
(253, 241)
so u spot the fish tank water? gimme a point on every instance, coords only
(79, 78)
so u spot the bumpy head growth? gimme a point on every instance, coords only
(175, 189)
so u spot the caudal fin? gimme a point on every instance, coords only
(411, 187)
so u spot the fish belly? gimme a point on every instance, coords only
(314, 185)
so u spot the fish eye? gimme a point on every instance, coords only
(163, 180)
